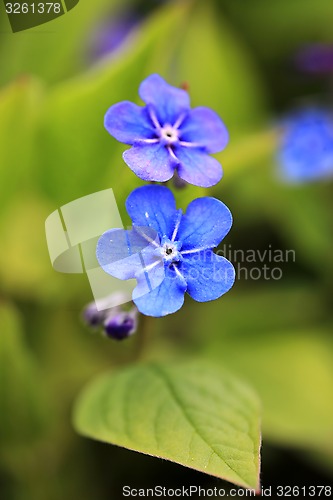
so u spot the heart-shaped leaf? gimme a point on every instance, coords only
(189, 413)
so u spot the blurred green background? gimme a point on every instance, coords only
(237, 57)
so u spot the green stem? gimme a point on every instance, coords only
(143, 337)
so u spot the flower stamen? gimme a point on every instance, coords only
(179, 120)
(145, 236)
(175, 231)
(148, 141)
(170, 251)
(179, 274)
(153, 118)
(190, 144)
(195, 250)
(172, 154)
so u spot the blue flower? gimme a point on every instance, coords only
(169, 253)
(306, 150)
(167, 136)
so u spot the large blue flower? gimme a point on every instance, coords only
(306, 150)
(166, 135)
(169, 253)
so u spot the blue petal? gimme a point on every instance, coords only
(149, 278)
(197, 167)
(166, 299)
(128, 123)
(208, 275)
(169, 102)
(306, 150)
(124, 254)
(150, 162)
(153, 206)
(204, 127)
(206, 222)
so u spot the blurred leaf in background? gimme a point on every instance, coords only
(53, 51)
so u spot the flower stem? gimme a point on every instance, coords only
(143, 337)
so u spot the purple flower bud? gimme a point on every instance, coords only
(95, 312)
(316, 59)
(92, 316)
(121, 325)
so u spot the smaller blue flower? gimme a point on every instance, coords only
(169, 253)
(167, 136)
(306, 149)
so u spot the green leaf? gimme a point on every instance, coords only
(55, 50)
(188, 413)
(27, 271)
(20, 103)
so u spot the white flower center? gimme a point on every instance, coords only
(169, 134)
(170, 251)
